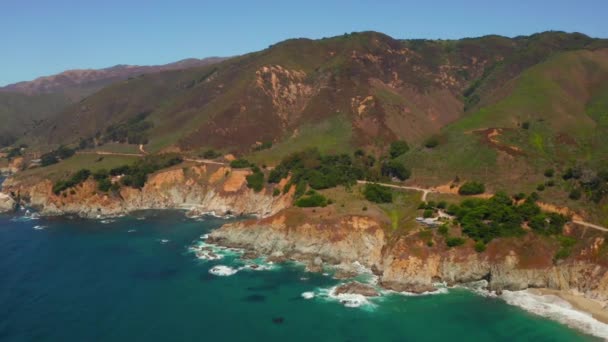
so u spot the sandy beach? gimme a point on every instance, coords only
(593, 307)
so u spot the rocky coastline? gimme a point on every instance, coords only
(281, 232)
(406, 264)
(197, 189)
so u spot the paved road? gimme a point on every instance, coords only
(426, 191)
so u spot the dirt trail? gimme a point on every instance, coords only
(548, 207)
(103, 153)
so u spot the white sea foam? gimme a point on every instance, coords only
(441, 288)
(39, 227)
(349, 300)
(223, 271)
(107, 221)
(131, 231)
(164, 241)
(308, 295)
(207, 254)
(557, 309)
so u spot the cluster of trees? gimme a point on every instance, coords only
(240, 163)
(591, 183)
(318, 171)
(53, 157)
(500, 216)
(133, 131)
(77, 178)
(472, 188)
(134, 175)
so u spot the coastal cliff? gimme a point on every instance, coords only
(406, 263)
(199, 189)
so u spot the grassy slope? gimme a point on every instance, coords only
(564, 96)
(20, 113)
(65, 168)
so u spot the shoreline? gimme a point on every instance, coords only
(579, 302)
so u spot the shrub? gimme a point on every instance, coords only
(263, 146)
(570, 173)
(550, 183)
(454, 241)
(430, 243)
(393, 168)
(255, 180)
(547, 223)
(240, 163)
(540, 187)
(431, 142)
(428, 213)
(472, 188)
(398, 148)
(276, 192)
(377, 193)
(525, 125)
(575, 194)
(101, 174)
(480, 247)
(549, 173)
(566, 244)
(316, 200)
(104, 184)
(443, 229)
(211, 154)
(519, 196)
(442, 205)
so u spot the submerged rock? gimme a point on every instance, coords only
(356, 287)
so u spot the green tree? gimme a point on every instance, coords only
(377, 193)
(472, 188)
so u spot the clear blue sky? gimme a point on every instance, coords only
(41, 37)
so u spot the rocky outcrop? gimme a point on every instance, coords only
(338, 240)
(6, 203)
(355, 287)
(198, 189)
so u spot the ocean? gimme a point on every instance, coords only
(138, 278)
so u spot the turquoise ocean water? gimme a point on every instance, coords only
(137, 279)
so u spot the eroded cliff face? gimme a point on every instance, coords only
(407, 264)
(338, 240)
(195, 188)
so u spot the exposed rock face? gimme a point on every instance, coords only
(355, 287)
(194, 188)
(345, 239)
(408, 265)
(6, 203)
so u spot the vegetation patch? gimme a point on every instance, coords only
(472, 188)
(377, 193)
(499, 216)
